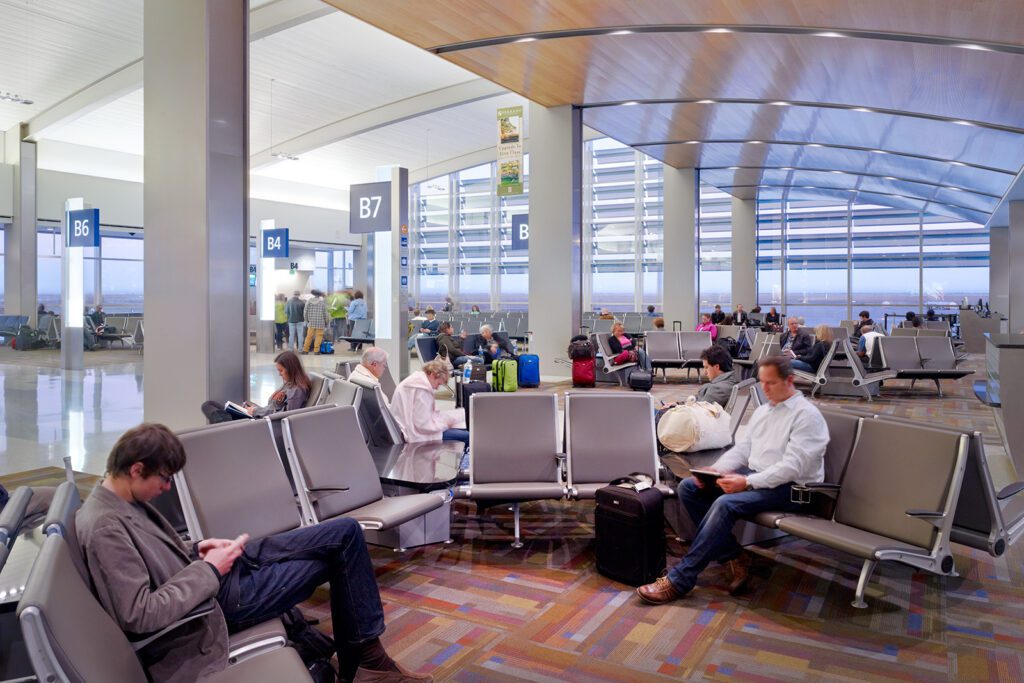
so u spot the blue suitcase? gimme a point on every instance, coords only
(529, 370)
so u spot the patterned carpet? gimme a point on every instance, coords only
(479, 610)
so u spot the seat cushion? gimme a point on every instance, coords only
(395, 510)
(842, 537)
(516, 491)
(269, 635)
(769, 519)
(283, 664)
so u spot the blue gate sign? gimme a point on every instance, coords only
(84, 228)
(520, 231)
(275, 243)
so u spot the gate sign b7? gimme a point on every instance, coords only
(275, 243)
(84, 228)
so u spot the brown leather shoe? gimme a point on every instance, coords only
(740, 568)
(400, 676)
(659, 592)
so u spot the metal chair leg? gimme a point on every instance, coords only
(862, 584)
(515, 513)
(938, 387)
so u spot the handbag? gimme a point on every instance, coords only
(626, 356)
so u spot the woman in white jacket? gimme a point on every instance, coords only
(414, 408)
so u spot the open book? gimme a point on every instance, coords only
(237, 410)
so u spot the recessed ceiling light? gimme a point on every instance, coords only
(705, 102)
(963, 123)
(734, 168)
(954, 189)
(754, 142)
(11, 97)
(838, 172)
(284, 156)
(718, 30)
(526, 40)
(631, 103)
(958, 163)
(692, 142)
(623, 32)
(810, 187)
(973, 46)
(878, 151)
(830, 34)
(889, 177)
(786, 168)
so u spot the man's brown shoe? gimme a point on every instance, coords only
(659, 592)
(740, 568)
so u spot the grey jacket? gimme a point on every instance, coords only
(294, 397)
(718, 389)
(294, 309)
(147, 579)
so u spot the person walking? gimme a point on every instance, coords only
(294, 310)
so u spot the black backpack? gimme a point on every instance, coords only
(730, 345)
(314, 647)
(580, 346)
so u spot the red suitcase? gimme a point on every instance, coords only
(583, 372)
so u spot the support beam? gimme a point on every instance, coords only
(556, 177)
(1016, 260)
(679, 279)
(196, 206)
(744, 253)
(20, 248)
(999, 269)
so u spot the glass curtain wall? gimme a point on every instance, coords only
(714, 249)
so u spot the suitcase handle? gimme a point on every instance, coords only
(634, 478)
(677, 325)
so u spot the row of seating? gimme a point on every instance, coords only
(10, 324)
(918, 332)
(676, 350)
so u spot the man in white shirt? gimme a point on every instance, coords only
(784, 444)
(868, 336)
(371, 368)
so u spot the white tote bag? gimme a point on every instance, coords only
(694, 426)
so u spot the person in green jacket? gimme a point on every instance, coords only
(280, 321)
(337, 308)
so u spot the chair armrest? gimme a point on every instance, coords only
(1010, 490)
(200, 611)
(14, 513)
(323, 489)
(819, 486)
(801, 493)
(931, 516)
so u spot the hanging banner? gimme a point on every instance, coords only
(510, 151)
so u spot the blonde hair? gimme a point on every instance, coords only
(437, 368)
(823, 333)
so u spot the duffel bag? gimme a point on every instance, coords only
(694, 426)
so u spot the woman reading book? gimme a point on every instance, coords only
(291, 395)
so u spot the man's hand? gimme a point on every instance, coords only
(209, 544)
(223, 557)
(733, 483)
(696, 479)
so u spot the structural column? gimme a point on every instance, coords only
(744, 253)
(679, 280)
(999, 269)
(556, 145)
(20, 284)
(1015, 257)
(196, 197)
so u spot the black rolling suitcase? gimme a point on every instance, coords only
(630, 530)
(464, 391)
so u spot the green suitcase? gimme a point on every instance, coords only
(505, 375)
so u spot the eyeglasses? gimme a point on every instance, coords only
(166, 478)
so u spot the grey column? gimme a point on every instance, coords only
(556, 146)
(20, 250)
(999, 269)
(679, 280)
(1015, 255)
(196, 207)
(744, 253)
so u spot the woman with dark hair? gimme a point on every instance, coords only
(291, 395)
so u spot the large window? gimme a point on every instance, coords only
(120, 273)
(714, 251)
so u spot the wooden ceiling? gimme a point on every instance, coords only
(918, 99)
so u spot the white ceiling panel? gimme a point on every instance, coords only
(117, 126)
(52, 49)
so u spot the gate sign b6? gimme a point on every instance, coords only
(275, 243)
(84, 228)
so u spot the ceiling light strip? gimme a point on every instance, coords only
(819, 32)
(852, 148)
(851, 191)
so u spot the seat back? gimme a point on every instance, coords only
(426, 348)
(843, 430)
(757, 396)
(140, 333)
(922, 332)
(840, 333)
(13, 514)
(632, 322)
(506, 450)
(603, 326)
(936, 353)
(609, 434)
(878, 489)
(942, 325)
(234, 482)
(361, 329)
(662, 346)
(904, 332)
(691, 344)
(317, 390)
(739, 399)
(344, 367)
(856, 364)
(60, 521)
(68, 635)
(325, 449)
(900, 353)
(606, 352)
(371, 418)
(394, 430)
(732, 331)
(341, 392)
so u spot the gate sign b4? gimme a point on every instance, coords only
(84, 228)
(275, 243)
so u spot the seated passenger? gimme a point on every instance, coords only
(450, 347)
(794, 340)
(721, 378)
(718, 316)
(772, 317)
(867, 341)
(490, 348)
(622, 347)
(291, 395)
(147, 579)
(811, 361)
(428, 327)
(864, 318)
(739, 316)
(916, 322)
(707, 326)
(372, 366)
(606, 315)
(659, 323)
(784, 444)
(756, 317)
(930, 315)
(475, 310)
(416, 412)
(650, 311)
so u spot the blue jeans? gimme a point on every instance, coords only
(278, 572)
(715, 512)
(296, 335)
(456, 435)
(801, 365)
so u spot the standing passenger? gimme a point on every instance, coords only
(296, 322)
(316, 321)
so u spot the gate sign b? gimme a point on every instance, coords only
(84, 228)
(520, 231)
(275, 243)
(369, 207)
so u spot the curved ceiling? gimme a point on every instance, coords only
(915, 103)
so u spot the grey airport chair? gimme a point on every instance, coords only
(138, 336)
(341, 392)
(663, 351)
(609, 434)
(602, 326)
(861, 377)
(336, 475)
(13, 515)
(387, 382)
(514, 460)
(610, 368)
(820, 377)
(903, 332)
(903, 355)
(905, 515)
(317, 391)
(71, 638)
(731, 331)
(691, 344)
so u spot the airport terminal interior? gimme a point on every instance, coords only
(602, 244)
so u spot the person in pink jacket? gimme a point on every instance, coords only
(414, 408)
(707, 326)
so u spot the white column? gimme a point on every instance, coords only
(679, 280)
(1015, 253)
(390, 315)
(196, 207)
(555, 223)
(20, 286)
(999, 269)
(744, 253)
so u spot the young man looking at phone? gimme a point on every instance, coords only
(147, 579)
(784, 444)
